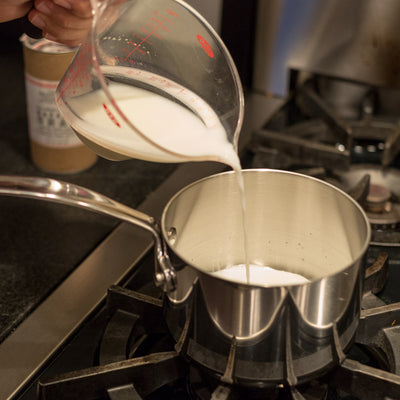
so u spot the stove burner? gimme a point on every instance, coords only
(382, 201)
(388, 218)
(378, 198)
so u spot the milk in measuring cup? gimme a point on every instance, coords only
(181, 123)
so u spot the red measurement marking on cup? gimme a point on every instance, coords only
(142, 39)
(75, 70)
(111, 116)
(206, 47)
(157, 23)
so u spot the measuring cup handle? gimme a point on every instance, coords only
(69, 194)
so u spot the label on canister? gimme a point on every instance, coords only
(46, 125)
(54, 145)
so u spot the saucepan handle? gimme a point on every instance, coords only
(69, 194)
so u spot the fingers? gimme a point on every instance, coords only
(14, 10)
(67, 22)
(80, 8)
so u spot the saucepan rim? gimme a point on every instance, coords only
(244, 285)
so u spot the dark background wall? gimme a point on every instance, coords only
(237, 32)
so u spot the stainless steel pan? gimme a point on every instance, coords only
(249, 334)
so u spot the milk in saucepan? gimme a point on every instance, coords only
(192, 130)
(260, 275)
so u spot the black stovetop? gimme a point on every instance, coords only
(125, 351)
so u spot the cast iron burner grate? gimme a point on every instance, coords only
(308, 131)
(137, 359)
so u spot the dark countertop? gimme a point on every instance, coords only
(40, 242)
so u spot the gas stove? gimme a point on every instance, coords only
(120, 346)
(125, 351)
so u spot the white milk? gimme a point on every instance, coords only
(165, 123)
(260, 275)
(193, 131)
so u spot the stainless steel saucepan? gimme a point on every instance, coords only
(248, 334)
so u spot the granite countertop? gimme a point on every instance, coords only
(40, 242)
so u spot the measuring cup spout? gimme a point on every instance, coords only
(69, 194)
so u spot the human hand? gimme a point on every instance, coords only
(13, 9)
(63, 21)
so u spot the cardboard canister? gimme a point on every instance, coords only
(54, 145)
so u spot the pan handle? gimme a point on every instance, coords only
(73, 195)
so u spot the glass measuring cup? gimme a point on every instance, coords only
(153, 81)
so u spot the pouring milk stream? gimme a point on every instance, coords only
(137, 113)
(188, 135)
